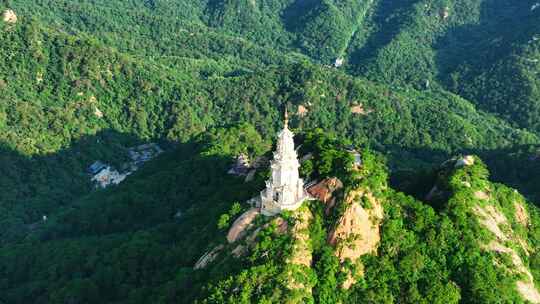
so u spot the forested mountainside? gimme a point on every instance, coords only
(414, 82)
(125, 244)
(467, 46)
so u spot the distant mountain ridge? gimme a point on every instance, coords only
(465, 46)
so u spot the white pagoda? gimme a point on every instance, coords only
(285, 189)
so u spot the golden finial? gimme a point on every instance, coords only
(286, 118)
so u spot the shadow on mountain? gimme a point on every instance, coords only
(294, 13)
(37, 186)
(391, 15)
(180, 185)
(58, 186)
(100, 241)
(414, 170)
(502, 26)
(517, 167)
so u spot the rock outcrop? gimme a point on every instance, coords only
(9, 16)
(481, 195)
(241, 225)
(358, 230)
(465, 161)
(491, 218)
(521, 214)
(445, 13)
(98, 113)
(359, 110)
(208, 258)
(301, 254)
(324, 192)
(302, 111)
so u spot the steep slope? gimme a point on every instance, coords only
(325, 28)
(517, 167)
(504, 225)
(102, 76)
(129, 243)
(480, 247)
(59, 78)
(141, 240)
(466, 46)
(513, 98)
(162, 31)
(284, 25)
(257, 21)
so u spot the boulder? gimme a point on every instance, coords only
(465, 161)
(359, 109)
(98, 113)
(9, 16)
(207, 258)
(358, 230)
(241, 225)
(302, 111)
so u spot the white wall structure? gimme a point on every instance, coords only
(285, 189)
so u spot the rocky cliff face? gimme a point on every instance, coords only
(503, 222)
(9, 16)
(506, 243)
(373, 243)
(357, 231)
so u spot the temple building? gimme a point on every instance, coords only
(285, 189)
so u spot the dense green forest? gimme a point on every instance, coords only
(421, 82)
(430, 253)
(116, 246)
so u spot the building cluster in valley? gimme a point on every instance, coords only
(104, 175)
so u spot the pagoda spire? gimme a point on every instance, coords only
(286, 119)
